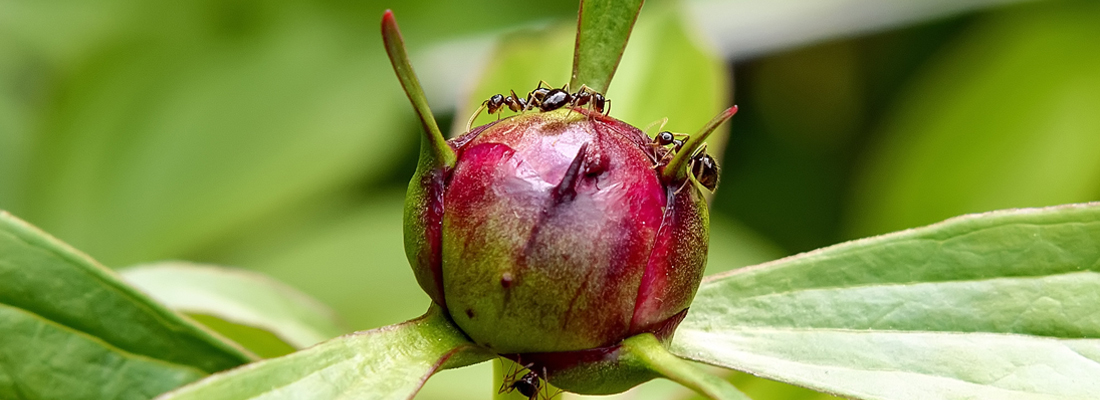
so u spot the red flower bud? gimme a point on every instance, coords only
(557, 231)
(553, 235)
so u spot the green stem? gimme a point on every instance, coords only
(654, 355)
(434, 149)
(677, 169)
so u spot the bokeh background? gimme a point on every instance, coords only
(273, 136)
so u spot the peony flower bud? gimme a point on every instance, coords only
(557, 231)
(553, 235)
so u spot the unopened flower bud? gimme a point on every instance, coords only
(557, 231)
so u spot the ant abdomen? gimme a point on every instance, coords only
(555, 99)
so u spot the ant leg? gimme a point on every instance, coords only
(684, 185)
(702, 150)
(470, 123)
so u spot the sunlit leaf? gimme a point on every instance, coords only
(238, 296)
(363, 365)
(260, 342)
(991, 306)
(41, 359)
(1006, 118)
(64, 315)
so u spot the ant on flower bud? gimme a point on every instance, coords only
(586, 96)
(494, 105)
(529, 385)
(659, 152)
(555, 99)
(705, 170)
(547, 98)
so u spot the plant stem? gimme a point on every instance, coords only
(654, 354)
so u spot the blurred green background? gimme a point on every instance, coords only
(273, 135)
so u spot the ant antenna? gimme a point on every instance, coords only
(470, 123)
(663, 121)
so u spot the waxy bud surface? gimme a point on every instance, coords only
(555, 231)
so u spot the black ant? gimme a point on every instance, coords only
(529, 385)
(586, 95)
(662, 140)
(705, 169)
(496, 103)
(547, 98)
(536, 96)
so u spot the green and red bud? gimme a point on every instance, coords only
(557, 231)
(553, 236)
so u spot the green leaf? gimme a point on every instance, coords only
(260, 342)
(385, 363)
(995, 306)
(238, 296)
(41, 359)
(1005, 118)
(46, 277)
(603, 28)
(64, 315)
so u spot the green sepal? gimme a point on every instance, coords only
(677, 169)
(603, 28)
(434, 150)
(423, 205)
(634, 361)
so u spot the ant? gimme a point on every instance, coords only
(529, 385)
(535, 96)
(705, 170)
(586, 95)
(662, 140)
(703, 167)
(548, 98)
(496, 103)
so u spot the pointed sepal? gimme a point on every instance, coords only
(434, 150)
(603, 27)
(677, 169)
